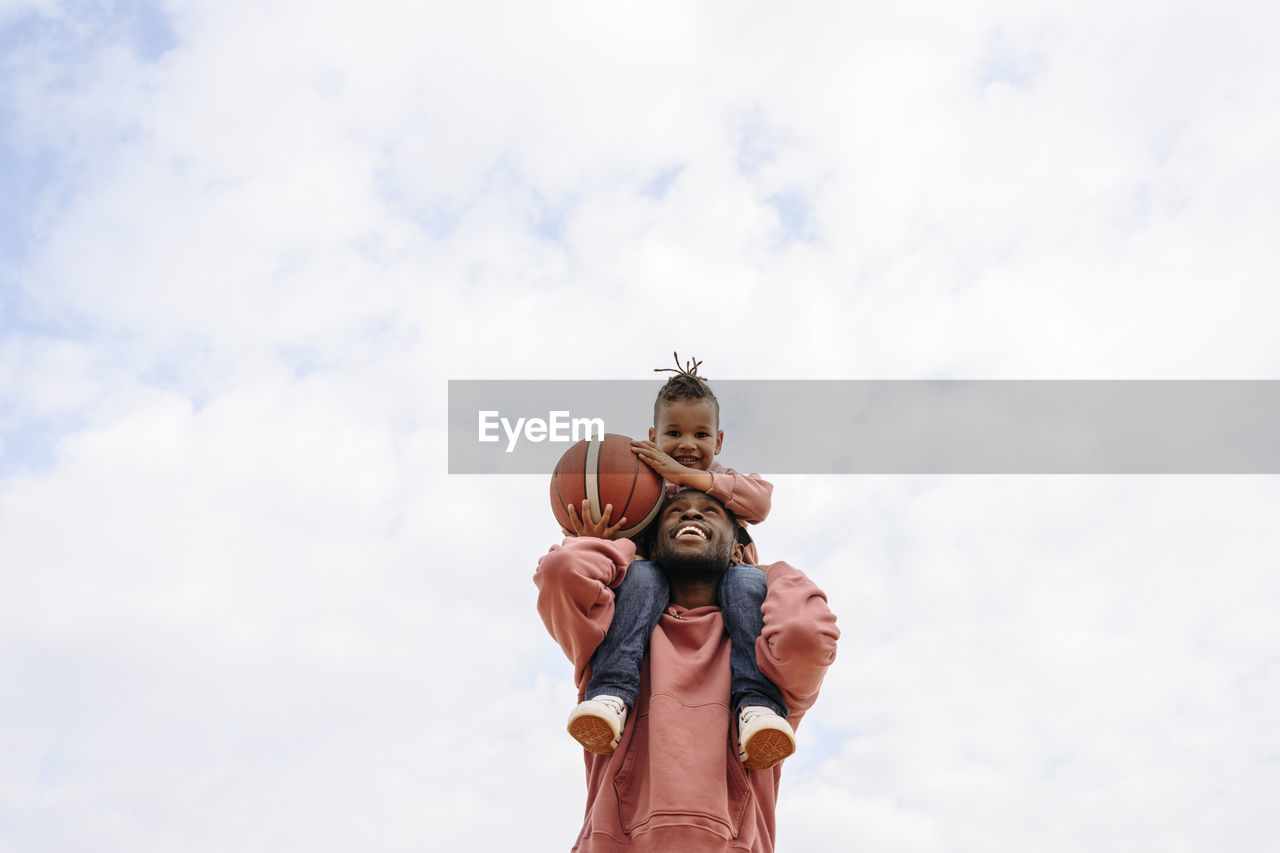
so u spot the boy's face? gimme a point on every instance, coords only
(688, 431)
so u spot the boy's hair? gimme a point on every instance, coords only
(685, 385)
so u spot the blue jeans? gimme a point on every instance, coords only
(741, 593)
(639, 602)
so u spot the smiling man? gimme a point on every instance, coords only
(675, 782)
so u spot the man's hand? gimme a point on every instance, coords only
(669, 469)
(582, 526)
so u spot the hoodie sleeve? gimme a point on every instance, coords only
(748, 496)
(575, 583)
(798, 642)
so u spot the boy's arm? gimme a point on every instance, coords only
(798, 642)
(748, 496)
(575, 583)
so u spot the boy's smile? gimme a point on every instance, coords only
(688, 431)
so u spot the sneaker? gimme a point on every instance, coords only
(597, 723)
(764, 738)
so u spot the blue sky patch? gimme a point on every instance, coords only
(152, 30)
(1004, 62)
(24, 176)
(757, 147)
(27, 448)
(794, 216)
(658, 186)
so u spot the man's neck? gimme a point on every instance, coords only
(694, 593)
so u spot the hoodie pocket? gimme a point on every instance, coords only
(681, 769)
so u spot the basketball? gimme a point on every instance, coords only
(606, 472)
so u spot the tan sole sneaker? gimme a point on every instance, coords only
(597, 724)
(765, 739)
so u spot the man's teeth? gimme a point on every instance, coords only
(689, 529)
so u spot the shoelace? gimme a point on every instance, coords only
(615, 704)
(749, 713)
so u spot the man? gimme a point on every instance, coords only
(675, 782)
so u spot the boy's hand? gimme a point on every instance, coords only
(668, 468)
(601, 529)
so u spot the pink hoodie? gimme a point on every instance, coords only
(675, 784)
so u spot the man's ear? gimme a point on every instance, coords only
(736, 555)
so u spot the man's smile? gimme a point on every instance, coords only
(690, 530)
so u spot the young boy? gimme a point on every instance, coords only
(683, 442)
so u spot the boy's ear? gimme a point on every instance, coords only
(653, 434)
(719, 439)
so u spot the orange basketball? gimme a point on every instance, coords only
(606, 472)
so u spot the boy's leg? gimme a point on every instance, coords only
(598, 721)
(764, 735)
(637, 606)
(741, 593)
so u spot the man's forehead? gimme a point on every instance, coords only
(690, 497)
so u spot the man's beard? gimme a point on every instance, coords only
(711, 562)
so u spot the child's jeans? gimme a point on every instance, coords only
(638, 605)
(741, 595)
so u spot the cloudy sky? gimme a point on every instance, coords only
(245, 245)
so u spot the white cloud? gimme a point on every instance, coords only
(1024, 653)
(246, 608)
